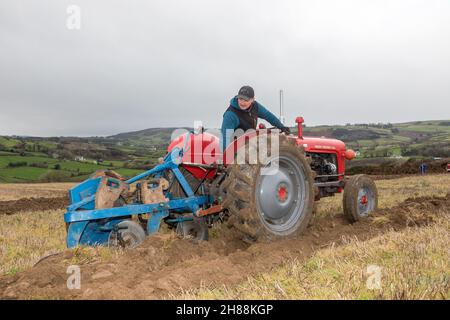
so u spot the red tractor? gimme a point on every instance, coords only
(264, 184)
(278, 204)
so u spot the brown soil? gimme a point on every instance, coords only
(388, 166)
(165, 265)
(32, 204)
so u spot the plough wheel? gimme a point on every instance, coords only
(128, 234)
(195, 230)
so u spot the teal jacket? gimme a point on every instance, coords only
(231, 121)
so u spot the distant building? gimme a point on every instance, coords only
(80, 158)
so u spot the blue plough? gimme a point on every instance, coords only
(92, 226)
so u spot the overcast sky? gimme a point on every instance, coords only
(139, 64)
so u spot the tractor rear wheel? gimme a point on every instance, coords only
(273, 198)
(360, 197)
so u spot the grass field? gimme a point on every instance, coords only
(68, 170)
(8, 142)
(14, 191)
(413, 264)
(26, 237)
(394, 191)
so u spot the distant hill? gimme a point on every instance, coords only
(153, 137)
(73, 158)
(152, 133)
(419, 138)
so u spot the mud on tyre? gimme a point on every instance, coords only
(269, 206)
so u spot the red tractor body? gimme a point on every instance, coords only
(327, 156)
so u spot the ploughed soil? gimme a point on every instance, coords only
(165, 264)
(33, 204)
(394, 167)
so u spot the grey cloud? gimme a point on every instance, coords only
(136, 64)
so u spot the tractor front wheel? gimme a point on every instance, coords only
(360, 197)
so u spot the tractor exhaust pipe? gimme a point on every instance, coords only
(300, 121)
(281, 107)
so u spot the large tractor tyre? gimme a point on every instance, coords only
(128, 234)
(270, 206)
(360, 197)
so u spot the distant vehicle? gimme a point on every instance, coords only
(448, 167)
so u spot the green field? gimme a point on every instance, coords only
(420, 138)
(68, 170)
(8, 142)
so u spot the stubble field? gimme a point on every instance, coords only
(406, 242)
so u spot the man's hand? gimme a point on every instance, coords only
(286, 130)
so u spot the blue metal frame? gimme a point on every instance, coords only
(90, 226)
(192, 204)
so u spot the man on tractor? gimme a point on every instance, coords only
(243, 113)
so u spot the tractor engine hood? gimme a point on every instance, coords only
(314, 144)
